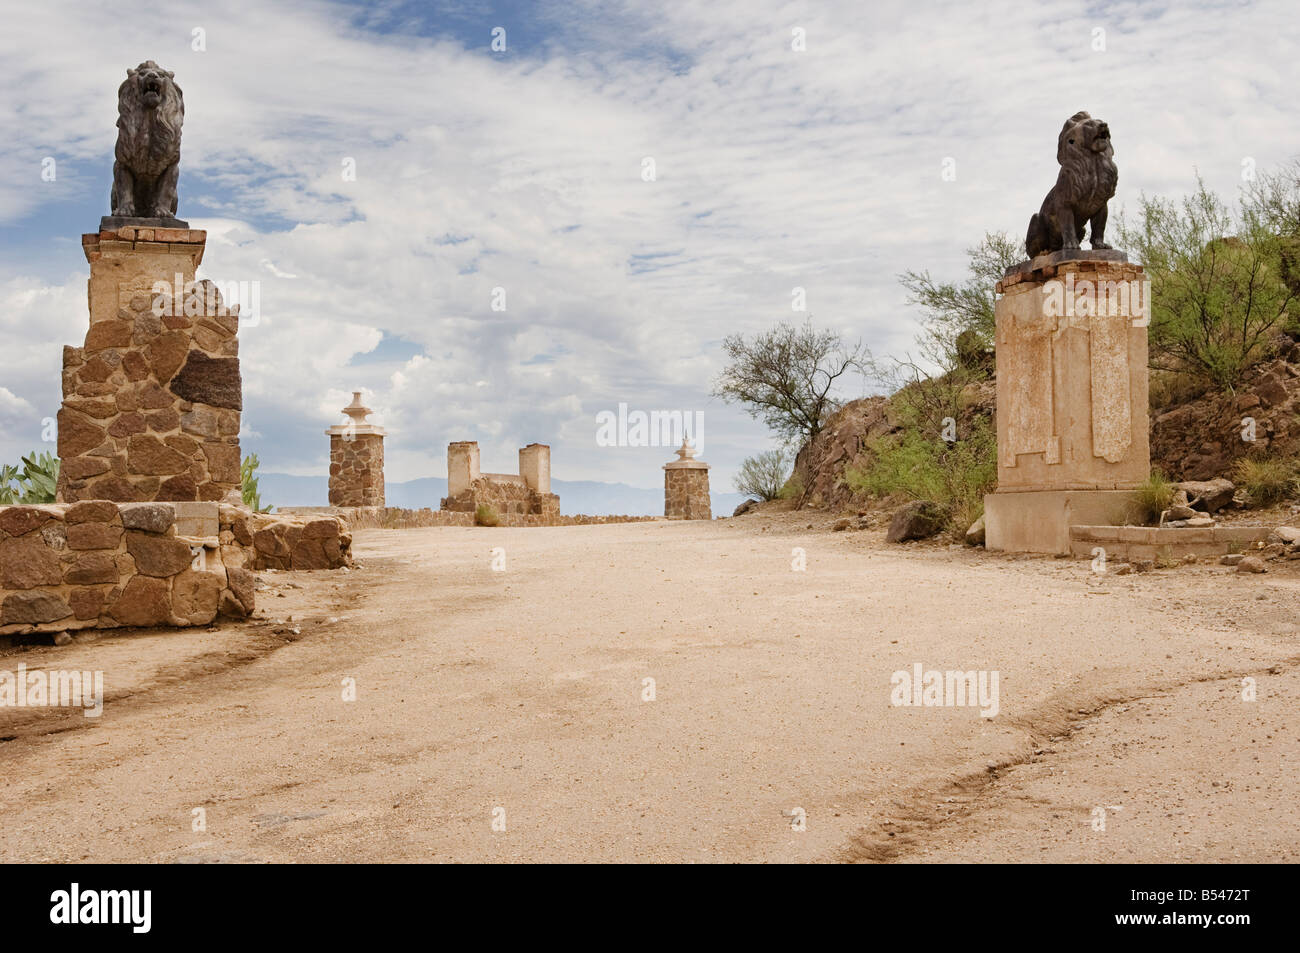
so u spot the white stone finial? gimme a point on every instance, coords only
(686, 451)
(356, 410)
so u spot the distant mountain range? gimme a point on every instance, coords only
(576, 496)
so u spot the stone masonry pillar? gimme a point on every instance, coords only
(152, 400)
(356, 459)
(686, 486)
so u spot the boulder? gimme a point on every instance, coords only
(744, 508)
(916, 520)
(975, 535)
(1251, 564)
(1209, 495)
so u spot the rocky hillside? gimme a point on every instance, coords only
(1198, 439)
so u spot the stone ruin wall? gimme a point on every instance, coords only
(99, 564)
(508, 495)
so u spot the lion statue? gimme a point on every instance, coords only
(150, 110)
(1086, 183)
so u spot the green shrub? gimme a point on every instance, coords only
(792, 489)
(36, 481)
(1154, 496)
(763, 475)
(953, 475)
(1268, 480)
(486, 515)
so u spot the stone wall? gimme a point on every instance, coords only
(356, 470)
(506, 494)
(290, 541)
(152, 399)
(99, 564)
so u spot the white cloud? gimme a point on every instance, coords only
(775, 169)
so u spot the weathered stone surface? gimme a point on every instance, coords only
(321, 529)
(915, 520)
(97, 408)
(126, 425)
(158, 555)
(92, 511)
(210, 380)
(78, 434)
(195, 596)
(27, 562)
(87, 603)
(178, 489)
(975, 534)
(223, 462)
(200, 421)
(135, 366)
(309, 554)
(149, 455)
(80, 468)
(91, 569)
(144, 601)
(20, 520)
(270, 542)
(166, 353)
(111, 488)
(94, 536)
(111, 333)
(32, 608)
(744, 508)
(242, 584)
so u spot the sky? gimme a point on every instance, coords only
(822, 146)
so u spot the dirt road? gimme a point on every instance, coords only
(520, 697)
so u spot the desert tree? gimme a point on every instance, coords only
(785, 377)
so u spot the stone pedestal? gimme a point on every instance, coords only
(356, 459)
(1071, 398)
(152, 400)
(686, 487)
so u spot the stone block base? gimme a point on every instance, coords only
(1126, 543)
(1039, 521)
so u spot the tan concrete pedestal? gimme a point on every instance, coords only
(1071, 400)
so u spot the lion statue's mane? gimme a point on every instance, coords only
(1085, 184)
(150, 110)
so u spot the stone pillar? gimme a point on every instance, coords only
(462, 466)
(1071, 398)
(152, 400)
(356, 459)
(535, 467)
(686, 486)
